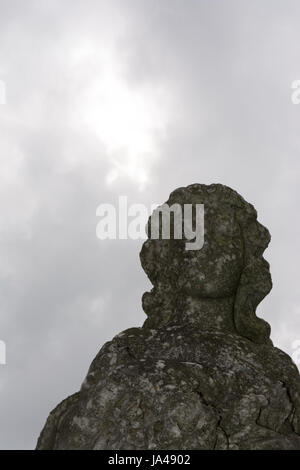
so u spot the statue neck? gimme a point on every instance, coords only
(205, 313)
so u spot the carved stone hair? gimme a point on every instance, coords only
(157, 258)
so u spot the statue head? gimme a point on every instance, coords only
(229, 265)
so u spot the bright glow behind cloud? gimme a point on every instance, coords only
(127, 120)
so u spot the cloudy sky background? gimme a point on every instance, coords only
(130, 97)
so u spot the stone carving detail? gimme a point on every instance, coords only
(202, 372)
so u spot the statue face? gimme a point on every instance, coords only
(214, 271)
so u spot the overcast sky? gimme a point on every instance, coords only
(130, 97)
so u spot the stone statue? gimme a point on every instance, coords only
(202, 372)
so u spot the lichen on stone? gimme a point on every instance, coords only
(202, 372)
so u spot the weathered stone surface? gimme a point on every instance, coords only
(202, 372)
